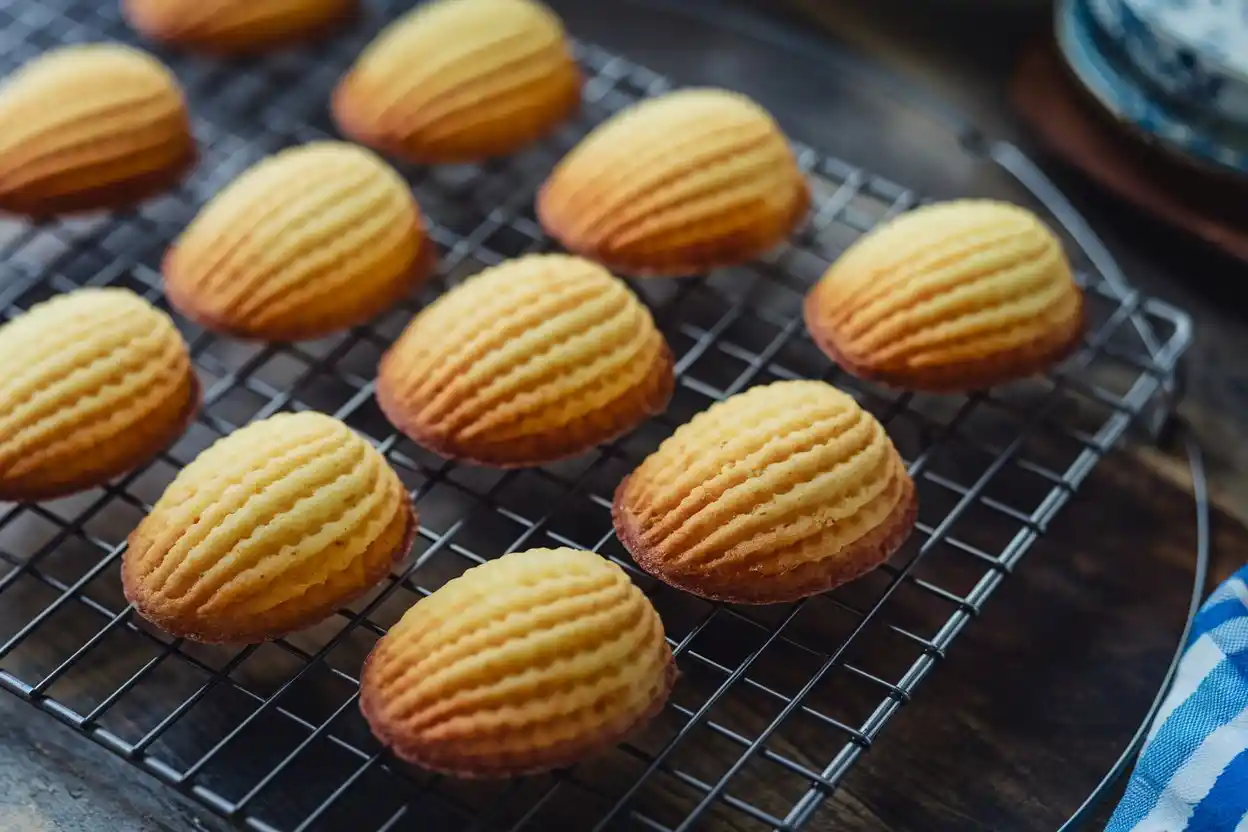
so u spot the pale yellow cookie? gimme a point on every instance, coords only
(93, 383)
(268, 531)
(677, 185)
(783, 491)
(311, 240)
(461, 81)
(235, 26)
(90, 126)
(526, 663)
(949, 297)
(531, 361)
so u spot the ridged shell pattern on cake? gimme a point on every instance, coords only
(528, 662)
(535, 359)
(781, 491)
(949, 296)
(90, 126)
(311, 240)
(677, 184)
(268, 530)
(92, 383)
(234, 25)
(460, 81)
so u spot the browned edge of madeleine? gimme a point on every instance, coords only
(178, 627)
(809, 579)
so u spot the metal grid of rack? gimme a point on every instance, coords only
(774, 704)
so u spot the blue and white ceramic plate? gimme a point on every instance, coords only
(1193, 51)
(1123, 93)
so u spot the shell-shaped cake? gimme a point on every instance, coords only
(783, 491)
(235, 26)
(93, 383)
(311, 240)
(949, 297)
(90, 126)
(526, 663)
(269, 530)
(531, 361)
(461, 81)
(676, 185)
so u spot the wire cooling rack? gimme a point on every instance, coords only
(774, 704)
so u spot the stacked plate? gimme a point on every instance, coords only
(1175, 70)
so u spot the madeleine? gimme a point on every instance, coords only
(677, 185)
(948, 298)
(461, 81)
(309, 241)
(96, 382)
(268, 531)
(535, 360)
(88, 127)
(527, 663)
(783, 491)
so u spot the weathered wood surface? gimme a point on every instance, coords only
(52, 780)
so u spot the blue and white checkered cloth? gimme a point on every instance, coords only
(1192, 773)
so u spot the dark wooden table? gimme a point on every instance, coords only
(1038, 696)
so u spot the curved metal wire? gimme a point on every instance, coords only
(1200, 494)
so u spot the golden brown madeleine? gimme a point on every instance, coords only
(949, 297)
(93, 383)
(783, 491)
(677, 185)
(528, 362)
(269, 530)
(526, 663)
(90, 126)
(461, 81)
(311, 240)
(235, 26)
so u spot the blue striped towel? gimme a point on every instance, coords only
(1192, 773)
